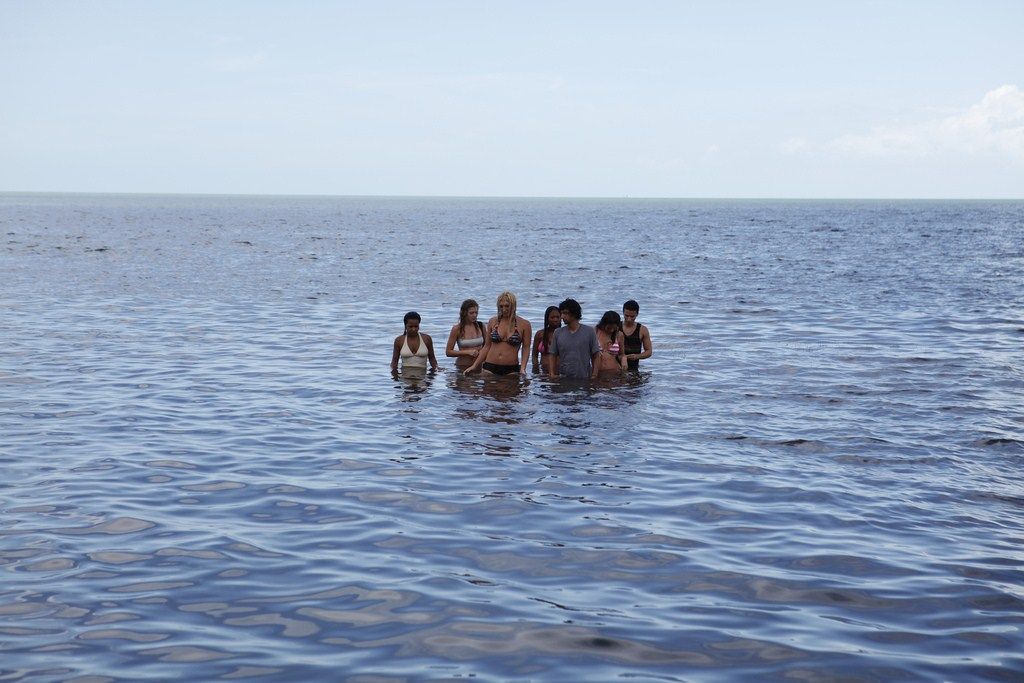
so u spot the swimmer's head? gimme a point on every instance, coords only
(609, 321)
(412, 323)
(572, 307)
(507, 305)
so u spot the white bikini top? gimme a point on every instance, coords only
(473, 343)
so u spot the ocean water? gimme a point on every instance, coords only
(208, 473)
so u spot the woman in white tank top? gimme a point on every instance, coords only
(414, 348)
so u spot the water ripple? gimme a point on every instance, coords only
(209, 473)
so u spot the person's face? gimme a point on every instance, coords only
(566, 317)
(628, 316)
(504, 308)
(471, 314)
(554, 319)
(412, 328)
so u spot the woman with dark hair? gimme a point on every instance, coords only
(542, 340)
(503, 343)
(613, 344)
(467, 334)
(413, 347)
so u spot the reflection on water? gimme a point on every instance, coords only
(498, 388)
(815, 477)
(491, 399)
(413, 382)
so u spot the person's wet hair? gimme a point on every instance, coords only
(548, 329)
(511, 299)
(611, 318)
(631, 305)
(573, 307)
(411, 315)
(464, 315)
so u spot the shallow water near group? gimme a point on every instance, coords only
(209, 472)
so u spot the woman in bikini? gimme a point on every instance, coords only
(609, 335)
(503, 343)
(542, 340)
(414, 348)
(467, 335)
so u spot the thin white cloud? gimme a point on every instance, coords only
(993, 126)
(795, 145)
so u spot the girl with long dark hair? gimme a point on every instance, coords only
(613, 344)
(542, 340)
(467, 335)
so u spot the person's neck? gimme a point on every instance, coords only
(573, 325)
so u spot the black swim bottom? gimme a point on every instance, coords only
(500, 369)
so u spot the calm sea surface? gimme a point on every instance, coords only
(208, 473)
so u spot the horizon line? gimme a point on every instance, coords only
(312, 195)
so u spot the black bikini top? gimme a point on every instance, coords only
(514, 339)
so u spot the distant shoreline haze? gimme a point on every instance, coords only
(16, 193)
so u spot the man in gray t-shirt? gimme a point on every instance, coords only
(574, 346)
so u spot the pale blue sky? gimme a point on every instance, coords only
(643, 99)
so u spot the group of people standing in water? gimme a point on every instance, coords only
(564, 347)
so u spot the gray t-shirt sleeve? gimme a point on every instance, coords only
(594, 346)
(554, 342)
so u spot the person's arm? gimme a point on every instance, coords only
(449, 348)
(595, 355)
(535, 351)
(552, 361)
(397, 353)
(482, 356)
(527, 333)
(430, 351)
(620, 338)
(645, 339)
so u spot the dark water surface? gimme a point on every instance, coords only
(206, 471)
